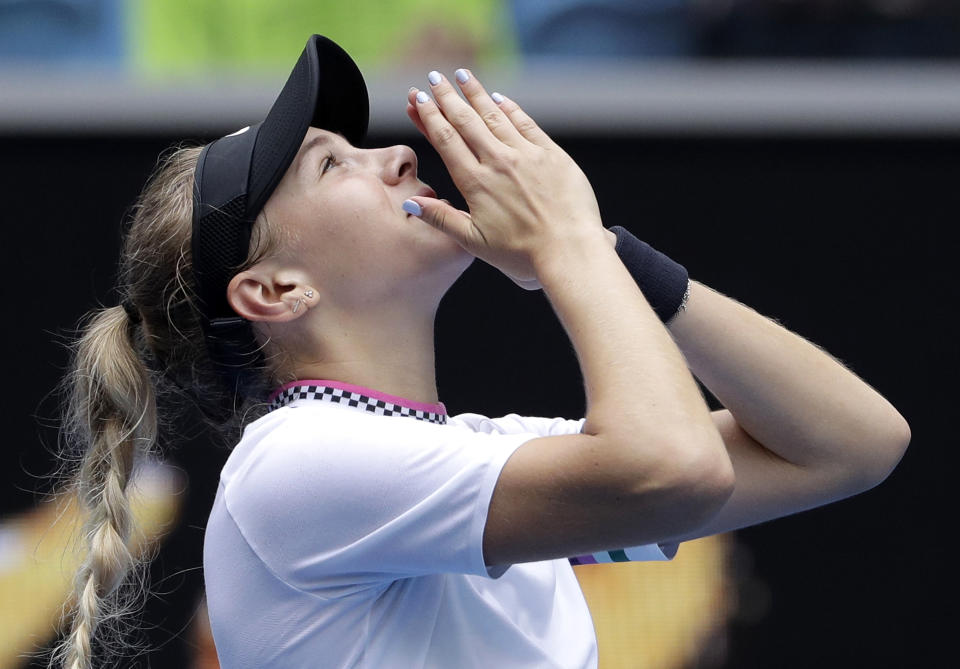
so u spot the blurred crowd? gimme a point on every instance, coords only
(174, 36)
(832, 28)
(739, 28)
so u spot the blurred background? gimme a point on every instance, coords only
(800, 156)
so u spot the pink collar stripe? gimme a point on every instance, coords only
(362, 390)
(353, 395)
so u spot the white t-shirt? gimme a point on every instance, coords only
(347, 532)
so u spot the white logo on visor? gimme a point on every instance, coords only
(239, 132)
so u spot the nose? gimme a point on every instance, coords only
(398, 163)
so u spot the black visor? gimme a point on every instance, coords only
(236, 175)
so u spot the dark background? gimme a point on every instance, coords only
(849, 242)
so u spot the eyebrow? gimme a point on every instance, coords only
(313, 143)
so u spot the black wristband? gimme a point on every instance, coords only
(662, 281)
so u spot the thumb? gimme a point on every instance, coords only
(444, 217)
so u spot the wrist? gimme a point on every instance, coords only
(663, 281)
(559, 259)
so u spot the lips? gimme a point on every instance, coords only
(426, 191)
(423, 191)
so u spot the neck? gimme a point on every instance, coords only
(388, 348)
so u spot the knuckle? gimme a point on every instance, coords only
(492, 118)
(525, 124)
(445, 135)
(506, 161)
(462, 117)
(428, 113)
(439, 220)
(445, 95)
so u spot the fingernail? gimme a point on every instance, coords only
(412, 207)
(462, 75)
(411, 89)
(434, 78)
(422, 97)
(497, 97)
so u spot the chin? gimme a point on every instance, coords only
(443, 265)
(438, 242)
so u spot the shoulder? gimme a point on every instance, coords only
(325, 450)
(312, 485)
(303, 438)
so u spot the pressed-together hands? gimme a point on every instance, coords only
(652, 462)
(526, 196)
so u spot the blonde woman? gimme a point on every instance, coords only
(286, 280)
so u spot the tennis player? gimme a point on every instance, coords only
(285, 279)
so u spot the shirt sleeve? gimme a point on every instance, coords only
(546, 427)
(361, 499)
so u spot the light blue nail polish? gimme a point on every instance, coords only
(434, 78)
(496, 97)
(412, 207)
(422, 97)
(462, 75)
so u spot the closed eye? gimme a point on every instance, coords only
(328, 161)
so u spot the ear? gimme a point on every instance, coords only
(258, 294)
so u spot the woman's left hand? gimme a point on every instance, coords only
(527, 198)
(523, 282)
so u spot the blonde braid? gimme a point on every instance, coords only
(119, 367)
(112, 418)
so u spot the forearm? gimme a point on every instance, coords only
(793, 398)
(633, 372)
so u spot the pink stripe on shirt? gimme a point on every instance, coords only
(369, 392)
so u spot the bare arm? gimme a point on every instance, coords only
(800, 428)
(650, 461)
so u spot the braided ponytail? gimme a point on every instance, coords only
(111, 418)
(126, 357)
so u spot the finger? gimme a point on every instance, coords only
(415, 117)
(412, 110)
(463, 117)
(525, 125)
(454, 152)
(488, 110)
(445, 218)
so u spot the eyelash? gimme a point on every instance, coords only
(328, 162)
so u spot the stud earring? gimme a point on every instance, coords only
(307, 294)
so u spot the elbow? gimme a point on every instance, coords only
(884, 452)
(698, 481)
(708, 481)
(892, 447)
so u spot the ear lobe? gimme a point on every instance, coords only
(256, 297)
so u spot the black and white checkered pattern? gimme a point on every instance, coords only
(340, 396)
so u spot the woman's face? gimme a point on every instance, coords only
(339, 209)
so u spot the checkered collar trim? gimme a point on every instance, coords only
(366, 399)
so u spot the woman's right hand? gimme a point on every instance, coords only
(526, 197)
